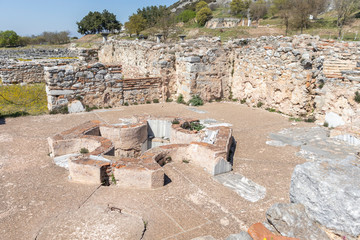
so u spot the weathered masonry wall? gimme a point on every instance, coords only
(27, 65)
(299, 76)
(15, 72)
(97, 85)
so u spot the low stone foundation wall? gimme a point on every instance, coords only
(97, 85)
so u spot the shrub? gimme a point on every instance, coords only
(259, 104)
(271, 110)
(156, 101)
(326, 124)
(148, 102)
(203, 15)
(197, 126)
(180, 99)
(186, 16)
(135, 103)
(60, 110)
(175, 121)
(126, 104)
(310, 119)
(357, 97)
(243, 101)
(84, 151)
(89, 109)
(169, 100)
(196, 101)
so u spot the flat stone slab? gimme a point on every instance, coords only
(197, 110)
(315, 144)
(246, 188)
(330, 191)
(63, 161)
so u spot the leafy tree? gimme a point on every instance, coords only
(185, 16)
(135, 24)
(203, 15)
(239, 7)
(109, 22)
(96, 22)
(153, 14)
(344, 9)
(258, 9)
(200, 5)
(9, 39)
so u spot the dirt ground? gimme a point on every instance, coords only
(38, 202)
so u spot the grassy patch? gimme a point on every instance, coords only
(17, 100)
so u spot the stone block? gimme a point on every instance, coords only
(291, 220)
(240, 236)
(76, 107)
(333, 120)
(87, 171)
(138, 177)
(330, 192)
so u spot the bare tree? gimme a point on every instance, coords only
(284, 9)
(344, 9)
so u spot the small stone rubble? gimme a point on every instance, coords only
(120, 154)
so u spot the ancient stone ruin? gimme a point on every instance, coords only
(132, 153)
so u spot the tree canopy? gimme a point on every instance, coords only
(239, 7)
(96, 22)
(9, 39)
(135, 24)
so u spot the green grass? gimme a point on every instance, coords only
(16, 100)
(222, 13)
(224, 34)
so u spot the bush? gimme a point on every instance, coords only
(60, 110)
(357, 97)
(148, 102)
(156, 101)
(84, 151)
(243, 101)
(197, 126)
(259, 104)
(169, 100)
(204, 15)
(185, 16)
(180, 99)
(126, 104)
(175, 121)
(196, 101)
(310, 119)
(89, 109)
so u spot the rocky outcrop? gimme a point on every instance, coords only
(330, 191)
(291, 220)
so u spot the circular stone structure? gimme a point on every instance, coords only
(132, 152)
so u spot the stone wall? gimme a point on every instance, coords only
(27, 65)
(299, 76)
(37, 53)
(97, 85)
(215, 23)
(15, 72)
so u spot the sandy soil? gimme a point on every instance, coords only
(38, 202)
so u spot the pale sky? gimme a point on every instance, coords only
(27, 17)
